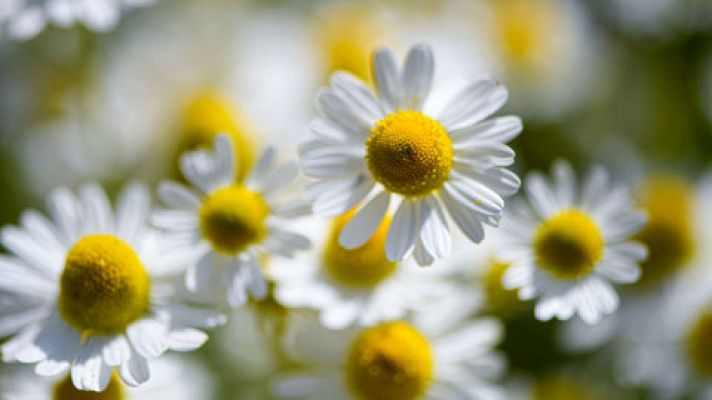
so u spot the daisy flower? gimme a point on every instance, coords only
(24, 19)
(438, 355)
(93, 291)
(568, 247)
(174, 379)
(368, 150)
(224, 228)
(358, 286)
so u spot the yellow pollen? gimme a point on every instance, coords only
(365, 266)
(104, 286)
(699, 345)
(500, 300)
(409, 153)
(208, 115)
(232, 218)
(568, 244)
(391, 361)
(669, 233)
(65, 390)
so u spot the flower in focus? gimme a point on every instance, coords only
(93, 293)
(368, 150)
(568, 247)
(358, 286)
(439, 356)
(225, 227)
(173, 379)
(24, 19)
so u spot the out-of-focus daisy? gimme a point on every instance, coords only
(173, 379)
(558, 386)
(369, 150)
(536, 45)
(94, 293)
(568, 246)
(441, 355)
(223, 227)
(24, 19)
(358, 286)
(346, 36)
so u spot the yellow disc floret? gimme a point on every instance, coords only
(669, 233)
(568, 244)
(391, 361)
(699, 345)
(364, 266)
(409, 153)
(104, 286)
(562, 387)
(208, 115)
(65, 390)
(232, 218)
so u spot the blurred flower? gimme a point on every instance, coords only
(225, 230)
(96, 290)
(390, 145)
(173, 378)
(439, 355)
(358, 286)
(24, 19)
(569, 250)
(545, 50)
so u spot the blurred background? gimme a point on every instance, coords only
(623, 83)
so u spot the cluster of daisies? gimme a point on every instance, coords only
(93, 294)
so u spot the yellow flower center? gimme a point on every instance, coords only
(364, 266)
(560, 387)
(699, 345)
(208, 115)
(409, 153)
(525, 31)
(233, 218)
(669, 233)
(569, 244)
(500, 300)
(104, 286)
(391, 361)
(65, 390)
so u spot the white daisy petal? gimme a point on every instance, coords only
(148, 337)
(358, 96)
(264, 166)
(565, 182)
(387, 77)
(135, 371)
(65, 211)
(178, 196)
(132, 210)
(540, 196)
(417, 76)
(403, 231)
(421, 255)
(474, 103)
(435, 233)
(467, 221)
(97, 209)
(364, 223)
(335, 198)
(501, 130)
(117, 351)
(186, 339)
(340, 113)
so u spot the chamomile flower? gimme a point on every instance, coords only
(369, 150)
(358, 286)
(441, 355)
(569, 246)
(224, 227)
(174, 379)
(94, 294)
(24, 19)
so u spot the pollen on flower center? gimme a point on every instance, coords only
(364, 266)
(391, 361)
(232, 218)
(568, 244)
(409, 153)
(104, 286)
(699, 345)
(65, 390)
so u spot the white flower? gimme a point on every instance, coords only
(226, 227)
(439, 354)
(389, 147)
(573, 245)
(358, 286)
(24, 19)
(174, 379)
(92, 291)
